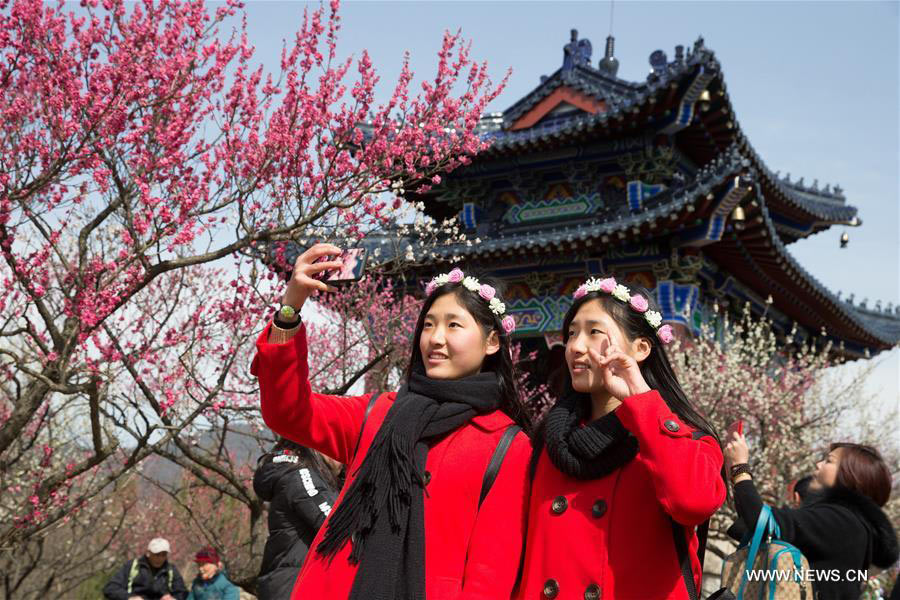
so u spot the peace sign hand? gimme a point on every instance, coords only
(621, 373)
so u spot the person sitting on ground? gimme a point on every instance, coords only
(211, 583)
(149, 577)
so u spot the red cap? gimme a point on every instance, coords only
(207, 555)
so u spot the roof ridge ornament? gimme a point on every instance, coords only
(576, 52)
(609, 64)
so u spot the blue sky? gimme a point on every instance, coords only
(814, 86)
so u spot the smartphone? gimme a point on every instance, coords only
(354, 265)
(736, 426)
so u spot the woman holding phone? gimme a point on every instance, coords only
(625, 468)
(411, 521)
(842, 527)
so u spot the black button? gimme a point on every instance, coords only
(592, 592)
(599, 509)
(560, 504)
(551, 589)
(427, 477)
(671, 425)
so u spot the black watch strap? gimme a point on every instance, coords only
(281, 324)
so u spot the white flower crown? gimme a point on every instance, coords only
(484, 291)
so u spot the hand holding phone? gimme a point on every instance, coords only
(353, 266)
(737, 426)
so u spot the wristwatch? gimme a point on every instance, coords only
(286, 317)
(287, 312)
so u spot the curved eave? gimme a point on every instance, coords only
(813, 210)
(669, 212)
(759, 259)
(818, 208)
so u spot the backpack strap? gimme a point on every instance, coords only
(684, 562)
(171, 576)
(679, 535)
(365, 418)
(493, 468)
(132, 574)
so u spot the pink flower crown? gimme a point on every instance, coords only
(484, 291)
(637, 303)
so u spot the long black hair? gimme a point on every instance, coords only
(499, 362)
(656, 368)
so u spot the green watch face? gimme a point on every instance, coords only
(287, 312)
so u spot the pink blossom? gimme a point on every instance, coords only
(429, 289)
(608, 285)
(487, 292)
(508, 323)
(665, 334)
(456, 275)
(581, 291)
(639, 303)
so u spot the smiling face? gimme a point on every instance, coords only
(594, 328)
(826, 470)
(453, 344)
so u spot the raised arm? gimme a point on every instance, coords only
(329, 424)
(685, 468)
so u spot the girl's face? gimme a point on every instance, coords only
(593, 327)
(452, 343)
(826, 470)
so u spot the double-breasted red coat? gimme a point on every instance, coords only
(611, 538)
(470, 553)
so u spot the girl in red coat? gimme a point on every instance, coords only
(626, 467)
(410, 522)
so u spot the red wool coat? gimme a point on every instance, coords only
(611, 538)
(470, 553)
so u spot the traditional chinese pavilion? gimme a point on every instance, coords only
(654, 182)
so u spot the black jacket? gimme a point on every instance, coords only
(839, 530)
(299, 502)
(148, 584)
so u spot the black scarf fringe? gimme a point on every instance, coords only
(382, 513)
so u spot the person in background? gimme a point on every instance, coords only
(843, 527)
(300, 486)
(211, 583)
(149, 577)
(800, 491)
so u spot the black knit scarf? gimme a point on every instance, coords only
(586, 451)
(383, 510)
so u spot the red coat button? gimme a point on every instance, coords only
(560, 504)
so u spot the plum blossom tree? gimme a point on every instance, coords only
(139, 148)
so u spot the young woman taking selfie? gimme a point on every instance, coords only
(410, 522)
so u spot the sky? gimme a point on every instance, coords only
(814, 86)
